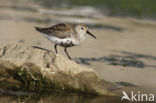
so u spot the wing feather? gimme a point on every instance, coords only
(61, 30)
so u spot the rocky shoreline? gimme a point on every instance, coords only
(23, 67)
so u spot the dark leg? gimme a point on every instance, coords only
(65, 49)
(56, 48)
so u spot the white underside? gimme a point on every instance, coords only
(59, 41)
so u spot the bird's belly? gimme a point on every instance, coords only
(65, 42)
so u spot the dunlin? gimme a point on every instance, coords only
(65, 34)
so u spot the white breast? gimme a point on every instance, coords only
(61, 41)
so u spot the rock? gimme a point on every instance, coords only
(37, 69)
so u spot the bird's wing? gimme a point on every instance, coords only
(61, 30)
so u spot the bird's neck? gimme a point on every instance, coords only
(81, 36)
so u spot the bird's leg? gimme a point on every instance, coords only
(65, 49)
(55, 48)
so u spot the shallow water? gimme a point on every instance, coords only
(29, 97)
(9, 96)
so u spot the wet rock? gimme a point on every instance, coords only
(38, 70)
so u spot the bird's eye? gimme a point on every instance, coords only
(81, 28)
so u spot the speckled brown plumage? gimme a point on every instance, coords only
(61, 30)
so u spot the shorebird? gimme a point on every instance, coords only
(65, 34)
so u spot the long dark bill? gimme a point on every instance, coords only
(90, 34)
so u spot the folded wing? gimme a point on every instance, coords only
(60, 30)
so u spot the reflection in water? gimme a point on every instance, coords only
(18, 96)
(22, 97)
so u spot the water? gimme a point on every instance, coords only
(8, 96)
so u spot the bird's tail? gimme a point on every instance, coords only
(38, 29)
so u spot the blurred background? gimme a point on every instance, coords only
(133, 8)
(125, 48)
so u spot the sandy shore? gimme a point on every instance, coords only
(120, 41)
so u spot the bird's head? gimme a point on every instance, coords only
(83, 29)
